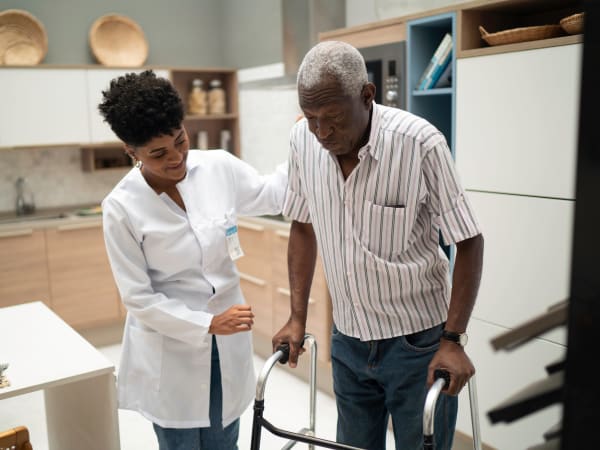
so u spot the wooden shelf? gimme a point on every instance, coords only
(504, 15)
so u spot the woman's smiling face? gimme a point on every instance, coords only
(164, 157)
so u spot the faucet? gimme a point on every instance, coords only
(25, 203)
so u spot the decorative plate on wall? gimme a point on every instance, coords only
(117, 40)
(23, 39)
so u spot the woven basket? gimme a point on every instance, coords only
(118, 41)
(522, 34)
(23, 39)
(573, 24)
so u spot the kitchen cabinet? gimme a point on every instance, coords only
(59, 106)
(434, 104)
(255, 275)
(212, 124)
(98, 80)
(519, 137)
(265, 284)
(23, 270)
(82, 288)
(42, 107)
(319, 321)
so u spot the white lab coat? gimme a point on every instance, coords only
(166, 264)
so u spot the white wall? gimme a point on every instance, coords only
(359, 12)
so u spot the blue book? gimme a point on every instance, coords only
(445, 79)
(438, 68)
(438, 71)
(443, 46)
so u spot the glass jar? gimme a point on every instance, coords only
(197, 100)
(216, 98)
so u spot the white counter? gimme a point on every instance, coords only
(44, 353)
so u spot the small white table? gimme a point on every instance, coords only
(43, 352)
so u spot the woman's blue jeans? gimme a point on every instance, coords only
(375, 379)
(214, 437)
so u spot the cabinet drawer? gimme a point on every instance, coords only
(257, 293)
(256, 245)
(23, 270)
(81, 282)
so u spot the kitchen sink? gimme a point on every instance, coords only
(36, 217)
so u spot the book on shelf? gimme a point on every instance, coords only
(445, 79)
(441, 51)
(438, 68)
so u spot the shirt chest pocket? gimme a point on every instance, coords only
(384, 232)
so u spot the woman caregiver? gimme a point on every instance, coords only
(171, 238)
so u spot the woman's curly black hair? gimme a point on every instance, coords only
(140, 107)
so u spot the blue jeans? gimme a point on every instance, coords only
(375, 379)
(214, 437)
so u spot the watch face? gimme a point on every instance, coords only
(463, 339)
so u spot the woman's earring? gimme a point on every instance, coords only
(138, 163)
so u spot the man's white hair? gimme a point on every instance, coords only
(333, 59)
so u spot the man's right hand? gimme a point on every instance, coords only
(292, 334)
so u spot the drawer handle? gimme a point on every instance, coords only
(15, 233)
(78, 226)
(253, 280)
(250, 226)
(286, 292)
(283, 234)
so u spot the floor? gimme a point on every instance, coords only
(282, 390)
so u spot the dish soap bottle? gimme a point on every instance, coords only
(197, 101)
(216, 98)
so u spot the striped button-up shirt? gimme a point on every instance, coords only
(378, 230)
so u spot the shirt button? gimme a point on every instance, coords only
(203, 386)
(349, 274)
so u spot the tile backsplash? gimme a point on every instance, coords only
(54, 176)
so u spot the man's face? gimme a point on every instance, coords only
(164, 157)
(338, 121)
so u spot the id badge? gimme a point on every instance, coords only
(233, 243)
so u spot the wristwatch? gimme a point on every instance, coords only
(458, 338)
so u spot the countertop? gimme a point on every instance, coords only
(46, 217)
(72, 215)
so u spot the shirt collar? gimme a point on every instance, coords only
(371, 146)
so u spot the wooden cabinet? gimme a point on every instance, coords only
(42, 107)
(23, 270)
(212, 124)
(265, 284)
(83, 291)
(255, 275)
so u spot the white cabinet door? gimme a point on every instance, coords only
(98, 80)
(43, 107)
(517, 121)
(500, 375)
(527, 257)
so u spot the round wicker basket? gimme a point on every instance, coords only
(118, 41)
(23, 38)
(573, 24)
(522, 34)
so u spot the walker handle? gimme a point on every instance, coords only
(284, 348)
(442, 373)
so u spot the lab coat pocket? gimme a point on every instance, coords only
(384, 231)
(212, 235)
(146, 360)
